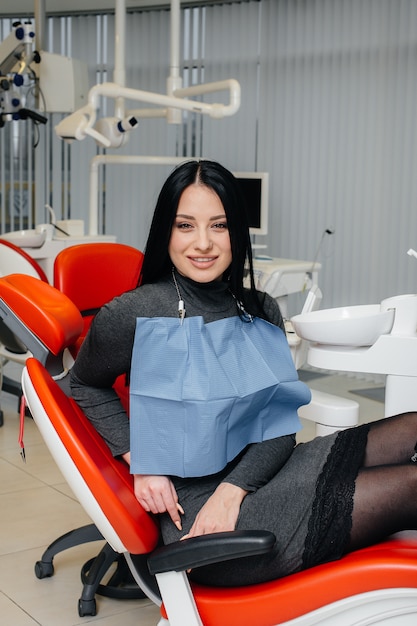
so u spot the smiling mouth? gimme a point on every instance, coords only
(203, 259)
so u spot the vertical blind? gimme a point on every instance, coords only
(329, 95)
(338, 129)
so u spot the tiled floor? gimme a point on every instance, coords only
(36, 506)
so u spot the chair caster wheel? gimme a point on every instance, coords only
(43, 569)
(87, 607)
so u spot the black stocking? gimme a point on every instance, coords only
(391, 440)
(385, 499)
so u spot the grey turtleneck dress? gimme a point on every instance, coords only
(302, 493)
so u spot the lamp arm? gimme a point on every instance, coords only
(113, 90)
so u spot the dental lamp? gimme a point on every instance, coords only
(81, 123)
(111, 131)
(115, 130)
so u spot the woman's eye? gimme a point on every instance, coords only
(220, 226)
(183, 226)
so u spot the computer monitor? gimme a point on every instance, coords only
(255, 188)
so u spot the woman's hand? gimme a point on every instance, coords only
(157, 495)
(220, 512)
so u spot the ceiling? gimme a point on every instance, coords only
(27, 7)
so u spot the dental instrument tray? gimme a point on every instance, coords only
(345, 326)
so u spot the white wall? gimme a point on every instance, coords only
(343, 139)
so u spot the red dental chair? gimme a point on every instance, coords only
(376, 585)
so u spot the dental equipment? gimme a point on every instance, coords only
(81, 123)
(110, 132)
(17, 47)
(58, 83)
(327, 231)
(337, 342)
(16, 54)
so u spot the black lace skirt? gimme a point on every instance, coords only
(331, 517)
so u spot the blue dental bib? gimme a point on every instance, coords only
(200, 393)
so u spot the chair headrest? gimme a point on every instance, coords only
(92, 274)
(46, 312)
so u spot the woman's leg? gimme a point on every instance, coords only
(384, 502)
(385, 499)
(391, 440)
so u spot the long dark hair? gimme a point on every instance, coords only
(157, 263)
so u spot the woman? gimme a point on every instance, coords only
(321, 499)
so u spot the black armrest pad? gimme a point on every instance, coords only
(198, 551)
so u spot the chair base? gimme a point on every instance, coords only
(121, 583)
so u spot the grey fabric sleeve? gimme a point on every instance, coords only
(104, 410)
(260, 462)
(104, 355)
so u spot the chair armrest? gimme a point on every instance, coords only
(206, 549)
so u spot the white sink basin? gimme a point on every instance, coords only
(345, 326)
(25, 238)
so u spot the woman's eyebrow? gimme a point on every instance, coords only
(186, 217)
(191, 217)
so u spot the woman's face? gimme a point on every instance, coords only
(200, 246)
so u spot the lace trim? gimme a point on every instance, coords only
(331, 518)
